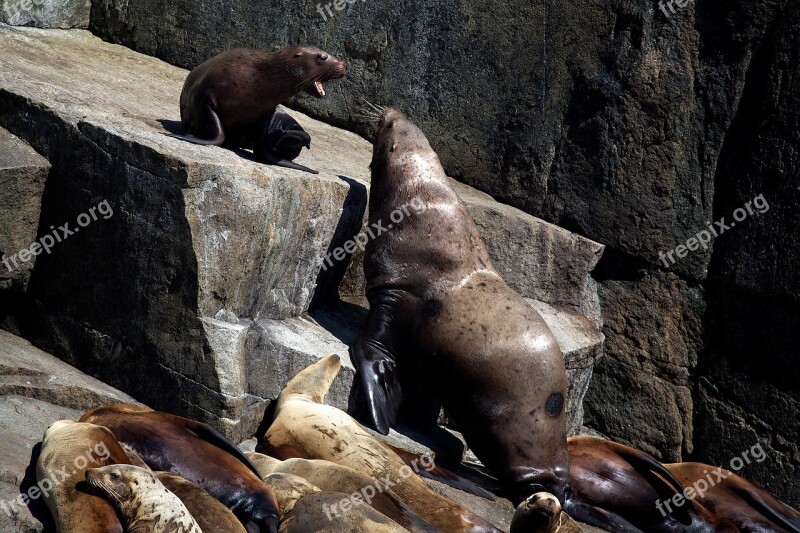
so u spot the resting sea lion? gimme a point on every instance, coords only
(196, 452)
(332, 477)
(68, 449)
(730, 496)
(441, 317)
(618, 488)
(541, 513)
(303, 427)
(142, 500)
(210, 514)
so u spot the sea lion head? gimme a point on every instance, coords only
(116, 483)
(309, 68)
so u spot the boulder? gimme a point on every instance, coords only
(46, 13)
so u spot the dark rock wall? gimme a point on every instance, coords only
(632, 127)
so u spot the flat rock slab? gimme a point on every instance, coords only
(22, 177)
(36, 389)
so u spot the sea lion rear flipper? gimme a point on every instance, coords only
(272, 159)
(438, 473)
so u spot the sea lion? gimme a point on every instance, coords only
(542, 513)
(441, 317)
(618, 488)
(229, 98)
(332, 477)
(210, 514)
(306, 428)
(281, 140)
(196, 452)
(730, 496)
(143, 502)
(307, 509)
(68, 449)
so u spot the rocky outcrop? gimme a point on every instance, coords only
(22, 176)
(636, 124)
(36, 389)
(46, 13)
(203, 271)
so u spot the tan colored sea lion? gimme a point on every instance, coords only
(442, 319)
(332, 477)
(210, 514)
(144, 503)
(303, 427)
(541, 513)
(307, 509)
(68, 449)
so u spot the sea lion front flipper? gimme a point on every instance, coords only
(373, 354)
(196, 140)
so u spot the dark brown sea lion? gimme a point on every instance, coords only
(730, 496)
(305, 427)
(210, 514)
(618, 488)
(143, 502)
(68, 450)
(441, 316)
(227, 98)
(197, 452)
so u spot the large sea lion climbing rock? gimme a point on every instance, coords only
(442, 318)
(306, 428)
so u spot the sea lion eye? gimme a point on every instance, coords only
(322, 58)
(298, 54)
(115, 476)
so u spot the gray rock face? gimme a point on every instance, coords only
(36, 389)
(22, 176)
(46, 13)
(195, 288)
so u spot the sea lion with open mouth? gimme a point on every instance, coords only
(231, 98)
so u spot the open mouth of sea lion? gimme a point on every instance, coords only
(317, 87)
